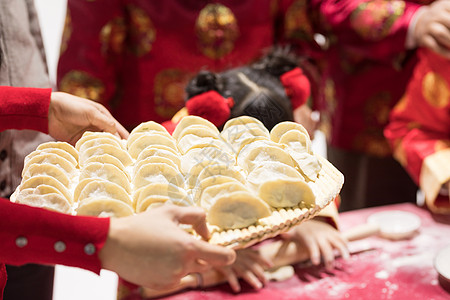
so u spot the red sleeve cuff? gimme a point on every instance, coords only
(35, 235)
(24, 108)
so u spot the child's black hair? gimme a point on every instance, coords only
(256, 89)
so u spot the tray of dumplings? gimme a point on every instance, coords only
(252, 183)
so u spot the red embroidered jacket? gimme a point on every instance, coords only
(419, 130)
(35, 235)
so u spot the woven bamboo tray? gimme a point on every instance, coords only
(327, 188)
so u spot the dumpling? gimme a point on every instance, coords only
(49, 170)
(210, 181)
(106, 172)
(191, 141)
(106, 159)
(237, 210)
(188, 121)
(308, 164)
(157, 172)
(35, 181)
(297, 141)
(283, 127)
(259, 155)
(159, 150)
(104, 207)
(197, 155)
(89, 135)
(51, 201)
(152, 160)
(62, 153)
(150, 139)
(168, 190)
(211, 192)
(61, 145)
(133, 137)
(284, 192)
(104, 189)
(98, 142)
(239, 132)
(200, 131)
(220, 169)
(148, 127)
(119, 153)
(242, 120)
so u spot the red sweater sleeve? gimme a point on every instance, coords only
(34, 235)
(24, 108)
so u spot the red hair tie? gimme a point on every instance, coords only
(211, 106)
(297, 87)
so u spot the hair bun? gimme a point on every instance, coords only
(204, 81)
(277, 62)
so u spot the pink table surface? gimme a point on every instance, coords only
(395, 270)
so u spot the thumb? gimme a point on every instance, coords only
(194, 216)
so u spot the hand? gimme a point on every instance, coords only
(433, 27)
(151, 250)
(319, 238)
(303, 115)
(70, 116)
(249, 265)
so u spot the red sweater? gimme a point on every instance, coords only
(35, 235)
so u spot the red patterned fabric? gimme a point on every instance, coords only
(365, 68)
(136, 56)
(420, 122)
(27, 108)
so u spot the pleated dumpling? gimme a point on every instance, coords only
(104, 189)
(64, 154)
(150, 139)
(296, 140)
(308, 164)
(98, 142)
(49, 170)
(200, 131)
(189, 121)
(104, 207)
(222, 170)
(191, 141)
(211, 192)
(105, 159)
(283, 127)
(119, 153)
(212, 154)
(162, 191)
(256, 156)
(157, 172)
(153, 160)
(149, 126)
(236, 210)
(35, 181)
(242, 120)
(51, 201)
(207, 182)
(107, 172)
(60, 145)
(159, 150)
(89, 135)
(235, 133)
(280, 185)
(49, 158)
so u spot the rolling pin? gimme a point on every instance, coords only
(290, 254)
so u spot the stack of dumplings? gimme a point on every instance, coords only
(240, 176)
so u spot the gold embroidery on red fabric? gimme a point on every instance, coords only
(372, 141)
(67, 33)
(81, 84)
(169, 91)
(112, 36)
(217, 30)
(142, 32)
(435, 90)
(373, 20)
(297, 25)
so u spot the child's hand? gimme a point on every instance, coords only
(249, 265)
(433, 28)
(320, 239)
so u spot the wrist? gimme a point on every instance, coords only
(109, 249)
